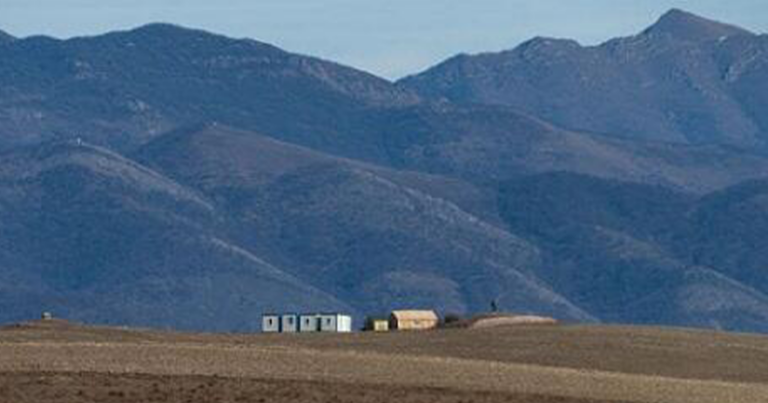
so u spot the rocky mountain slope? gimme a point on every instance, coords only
(122, 89)
(97, 237)
(486, 143)
(92, 235)
(685, 79)
(371, 235)
(634, 252)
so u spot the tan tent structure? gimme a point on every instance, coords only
(413, 320)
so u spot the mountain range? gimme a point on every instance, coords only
(685, 79)
(171, 177)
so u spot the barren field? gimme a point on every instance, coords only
(95, 387)
(60, 362)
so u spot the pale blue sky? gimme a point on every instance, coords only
(387, 37)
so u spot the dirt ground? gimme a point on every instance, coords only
(61, 362)
(90, 387)
(676, 353)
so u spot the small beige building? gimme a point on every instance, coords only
(380, 325)
(413, 320)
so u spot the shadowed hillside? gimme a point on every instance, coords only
(377, 237)
(91, 235)
(485, 144)
(628, 252)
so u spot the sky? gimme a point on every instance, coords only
(390, 38)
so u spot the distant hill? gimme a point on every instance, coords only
(91, 235)
(377, 237)
(94, 236)
(628, 252)
(685, 79)
(489, 143)
(728, 230)
(123, 88)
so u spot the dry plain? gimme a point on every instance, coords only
(62, 362)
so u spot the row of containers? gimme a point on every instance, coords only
(306, 323)
(342, 323)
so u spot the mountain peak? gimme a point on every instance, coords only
(544, 41)
(547, 47)
(170, 31)
(177, 37)
(162, 27)
(687, 26)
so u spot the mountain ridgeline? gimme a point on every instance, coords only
(171, 177)
(685, 79)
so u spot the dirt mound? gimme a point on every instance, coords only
(510, 320)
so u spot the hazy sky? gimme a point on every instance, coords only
(387, 37)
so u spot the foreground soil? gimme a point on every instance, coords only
(94, 387)
(62, 362)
